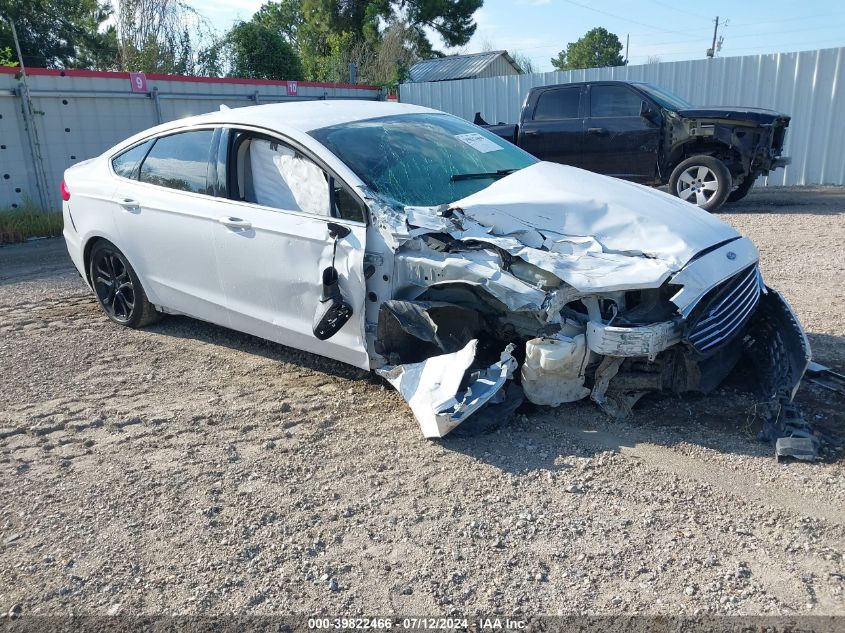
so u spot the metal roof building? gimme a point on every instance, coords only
(492, 64)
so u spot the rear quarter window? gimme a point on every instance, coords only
(127, 163)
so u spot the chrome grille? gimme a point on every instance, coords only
(724, 314)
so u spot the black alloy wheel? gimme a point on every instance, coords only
(118, 288)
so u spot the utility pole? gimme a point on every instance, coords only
(712, 50)
(627, 42)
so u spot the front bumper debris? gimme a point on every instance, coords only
(645, 340)
(779, 351)
(432, 387)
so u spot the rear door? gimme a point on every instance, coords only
(553, 126)
(165, 216)
(619, 141)
(273, 244)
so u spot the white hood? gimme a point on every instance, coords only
(595, 232)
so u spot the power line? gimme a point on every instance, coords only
(802, 17)
(776, 33)
(747, 35)
(685, 11)
(620, 17)
(815, 43)
(689, 32)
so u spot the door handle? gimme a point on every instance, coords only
(129, 204)
(531, 133)
(236, 224)
(596, 130)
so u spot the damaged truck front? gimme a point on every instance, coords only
(547, 290)
(643, 133)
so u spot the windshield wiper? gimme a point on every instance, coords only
(484, 174)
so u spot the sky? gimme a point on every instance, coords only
(657, 28)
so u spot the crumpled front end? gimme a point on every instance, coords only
(487, 293)
(756, 138)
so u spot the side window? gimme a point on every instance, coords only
(558, 104)
(127, 163)
(346, 205)
(179, 161)
(272, 174)
(607, 101)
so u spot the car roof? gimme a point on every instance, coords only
(595, 81)
(295, 119)
(304, 116)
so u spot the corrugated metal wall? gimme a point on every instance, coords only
(80, 114)
(807, 85)
(499, 68)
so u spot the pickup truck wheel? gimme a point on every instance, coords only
(743, 188)
(702, 180)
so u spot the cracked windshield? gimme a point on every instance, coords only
(423, 160)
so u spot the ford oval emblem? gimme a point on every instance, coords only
(731, 255)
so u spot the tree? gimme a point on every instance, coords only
(60, 33)
(259, 52)
(328, 34)
(285, 17)
(6, 57)
(450, 19)
(387, 63)
(524, 62)
(159, 36)
(597, 49)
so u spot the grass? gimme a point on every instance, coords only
(18, 225)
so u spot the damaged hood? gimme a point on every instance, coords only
(592, 231)
(756, 115)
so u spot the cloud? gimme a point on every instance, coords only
(222, 13)
(483, 20)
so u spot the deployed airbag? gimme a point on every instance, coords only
(282, 179)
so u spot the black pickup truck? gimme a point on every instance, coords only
(640, 132)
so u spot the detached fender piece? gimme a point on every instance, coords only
(780, 352)
(432, 388)
(778, 348)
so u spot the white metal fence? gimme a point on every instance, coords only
(79, 114)
(806, 85)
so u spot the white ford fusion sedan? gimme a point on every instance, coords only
(407, 241)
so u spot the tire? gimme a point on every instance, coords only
(701, 180)
(117, 287)
(742, 189)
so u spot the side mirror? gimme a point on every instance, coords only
(333, 311)
(646, 111)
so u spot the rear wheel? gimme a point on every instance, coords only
(743, 188)
(702, 180)
(118, 289)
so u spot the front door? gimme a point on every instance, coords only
(618, 140)
(273, 245)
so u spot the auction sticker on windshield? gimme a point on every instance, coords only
(478, 142)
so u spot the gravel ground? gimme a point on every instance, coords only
(190, 469)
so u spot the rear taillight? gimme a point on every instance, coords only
(65, 192)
